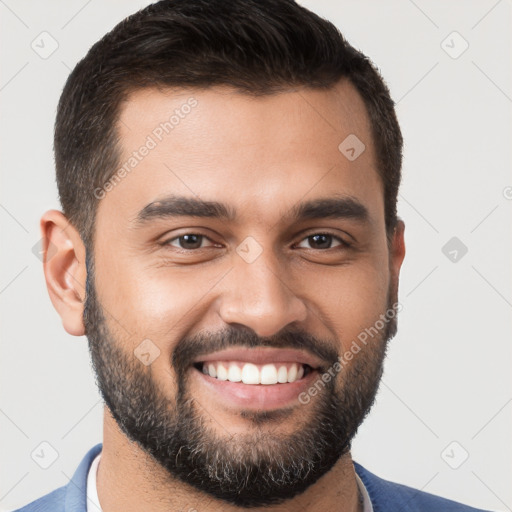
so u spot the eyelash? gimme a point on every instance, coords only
(342, 243)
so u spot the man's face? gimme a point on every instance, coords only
(271, 274)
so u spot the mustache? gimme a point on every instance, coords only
(205, 342)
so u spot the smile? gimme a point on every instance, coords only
(254, 374)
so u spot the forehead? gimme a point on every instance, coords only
(258, 155)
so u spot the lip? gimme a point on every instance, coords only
(255, 396)
(263, 356)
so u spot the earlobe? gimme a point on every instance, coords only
(64, 269)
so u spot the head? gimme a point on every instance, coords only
(228, 172)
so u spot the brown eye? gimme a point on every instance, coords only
(323, 241)
(188, 241)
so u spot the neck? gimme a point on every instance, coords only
(131, 480)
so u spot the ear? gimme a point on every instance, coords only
(64, 269)
(396, 253)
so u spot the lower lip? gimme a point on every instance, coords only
(257, 396)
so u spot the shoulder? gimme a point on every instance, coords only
(389, 496)
(69, 497)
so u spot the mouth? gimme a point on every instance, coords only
(260, 378)
(246, 385)
(254, 374)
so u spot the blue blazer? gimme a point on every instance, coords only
(385, 496)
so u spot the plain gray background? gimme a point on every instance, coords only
(446, 393)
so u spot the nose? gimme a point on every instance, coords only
(257, 296)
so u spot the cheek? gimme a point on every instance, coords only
(348, 299)
(159, 301)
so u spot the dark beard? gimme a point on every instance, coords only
(247, 470)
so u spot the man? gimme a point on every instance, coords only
(229, 243)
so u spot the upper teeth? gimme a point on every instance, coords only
(250, 373)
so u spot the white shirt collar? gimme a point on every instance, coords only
(93, 503)
(367, 504)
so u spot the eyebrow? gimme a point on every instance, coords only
(337, 207)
